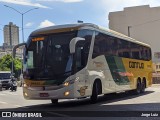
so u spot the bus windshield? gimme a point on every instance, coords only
(49, 58)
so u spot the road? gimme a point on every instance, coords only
(149, 101)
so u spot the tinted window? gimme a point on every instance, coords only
(82, 48)
(123, 48)
(112, 46)
(135, 51)
(104, 45)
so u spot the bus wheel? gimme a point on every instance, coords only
(138, 89)
(94, 96)
(143, 86)
(54, 101)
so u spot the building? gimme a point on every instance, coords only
(11, 34)
(140, 22)
(156, 72)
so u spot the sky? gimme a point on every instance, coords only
(57, 12)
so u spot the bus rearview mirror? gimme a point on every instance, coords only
(73, 43)
(17, 46)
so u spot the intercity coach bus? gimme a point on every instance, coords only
(83, 60)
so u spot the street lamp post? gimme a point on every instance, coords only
(22, 14)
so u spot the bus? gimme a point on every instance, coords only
(83, 60)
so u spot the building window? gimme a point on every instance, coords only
(156, 66)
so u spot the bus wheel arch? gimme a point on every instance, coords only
(54, 101)
(96, 90)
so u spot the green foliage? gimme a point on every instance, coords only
(6, 64)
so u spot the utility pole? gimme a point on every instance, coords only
(10, 40)
(10, 34)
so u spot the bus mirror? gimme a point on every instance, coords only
(17, 46)
(73, 43)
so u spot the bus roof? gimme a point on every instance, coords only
(62, 28)
(72, 27)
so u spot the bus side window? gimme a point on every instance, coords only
(96, 51)
(85, 45)
(99, 47)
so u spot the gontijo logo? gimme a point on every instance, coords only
(136, 65)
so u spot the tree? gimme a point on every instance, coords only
(6, 64)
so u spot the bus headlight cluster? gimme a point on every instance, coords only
(67, 83)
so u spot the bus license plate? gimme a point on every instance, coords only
(44, 95)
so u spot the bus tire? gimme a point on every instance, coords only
(143, 86)
(95, 90)
(138, 89)
(54, 101)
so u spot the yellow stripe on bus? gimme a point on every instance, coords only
(34, 83)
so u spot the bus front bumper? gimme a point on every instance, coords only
(62, 93)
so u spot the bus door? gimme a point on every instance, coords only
(81, 61)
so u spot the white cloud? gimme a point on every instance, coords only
(66, 1)
(24, 2)
(46, 23)
(29, 24)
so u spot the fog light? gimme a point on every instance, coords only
(66, 93)
(25, 94)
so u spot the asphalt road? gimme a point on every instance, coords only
(122, 104)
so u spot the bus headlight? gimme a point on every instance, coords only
(67, 83)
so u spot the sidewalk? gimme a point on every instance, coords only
(155, 85)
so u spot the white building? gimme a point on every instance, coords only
(140, 22)
(11, 34)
